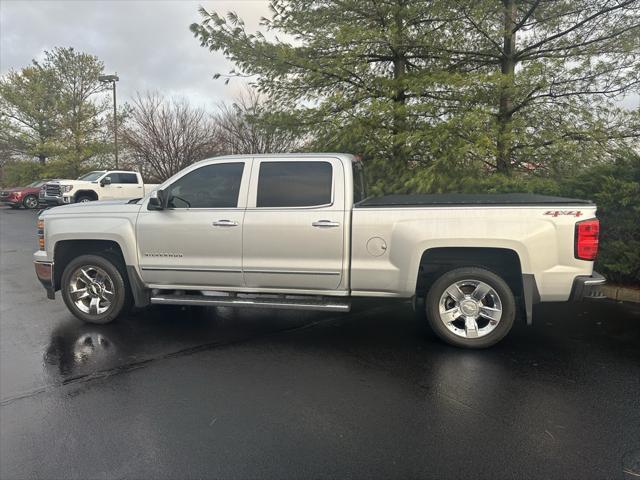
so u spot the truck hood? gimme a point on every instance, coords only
(76, 183)
(97, 207)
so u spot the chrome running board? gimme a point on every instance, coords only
(289, 302)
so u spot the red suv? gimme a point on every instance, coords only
(26, 197)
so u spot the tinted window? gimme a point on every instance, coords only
(213, 186)
(294, 184)
(91, 176)
(115, 177)
(123, 177)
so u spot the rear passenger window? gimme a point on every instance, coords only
(294, 184)
(120, 177)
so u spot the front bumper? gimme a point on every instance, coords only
(587, 287)
(51, 201)
(44, 271)
(10, 202)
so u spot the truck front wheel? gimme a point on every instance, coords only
(84, 198)
(94, 289)
(470, 307)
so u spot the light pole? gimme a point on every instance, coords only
(112, 79)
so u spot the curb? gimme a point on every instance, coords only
(621, 294)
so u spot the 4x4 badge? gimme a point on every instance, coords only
(557, 213)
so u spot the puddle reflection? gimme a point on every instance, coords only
(76, 349)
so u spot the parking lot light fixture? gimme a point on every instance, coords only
(112, 79)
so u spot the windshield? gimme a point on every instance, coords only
(91, 176)
(37, 183)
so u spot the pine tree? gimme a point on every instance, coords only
(28, 107)
(433, 91)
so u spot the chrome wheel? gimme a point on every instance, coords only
(91, 289)
(470, 308)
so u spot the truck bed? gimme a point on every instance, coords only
(452, 199)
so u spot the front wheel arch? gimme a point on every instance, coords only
(110, 277)
(82, 194)
(64, 251)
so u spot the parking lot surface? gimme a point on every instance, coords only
(223, 393)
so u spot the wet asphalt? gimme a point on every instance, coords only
(224, 393)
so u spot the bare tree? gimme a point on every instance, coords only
(167, 135)
(244, 127)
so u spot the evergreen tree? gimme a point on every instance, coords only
(81, 118)
(50, 110)
(558, 65)
(433, 91)
(28, 112)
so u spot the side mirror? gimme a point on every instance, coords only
(105, 181)
(157, 200)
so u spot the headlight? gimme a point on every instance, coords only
(66, 188)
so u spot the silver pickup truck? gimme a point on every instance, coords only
(298, 231)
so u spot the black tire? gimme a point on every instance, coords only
(449, 278)
(122, 298)
(30, 202)
(84, 198)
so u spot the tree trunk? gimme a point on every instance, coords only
(504, 142)
(400, 95)
(42, 159)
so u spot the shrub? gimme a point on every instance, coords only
(19, 174)
(615, 188)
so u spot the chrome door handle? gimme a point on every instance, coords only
(325, 224)
(225, 223)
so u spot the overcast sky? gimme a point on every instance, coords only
(148, 43)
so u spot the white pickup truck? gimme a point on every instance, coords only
(96, 185)
(297, 231)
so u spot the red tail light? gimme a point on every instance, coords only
(586, 246)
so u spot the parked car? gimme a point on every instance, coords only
(297, 231)
(26, 197)
(96, 185)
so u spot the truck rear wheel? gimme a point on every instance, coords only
(94, 289)
(470, 307)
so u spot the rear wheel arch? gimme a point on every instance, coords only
(504, 262)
